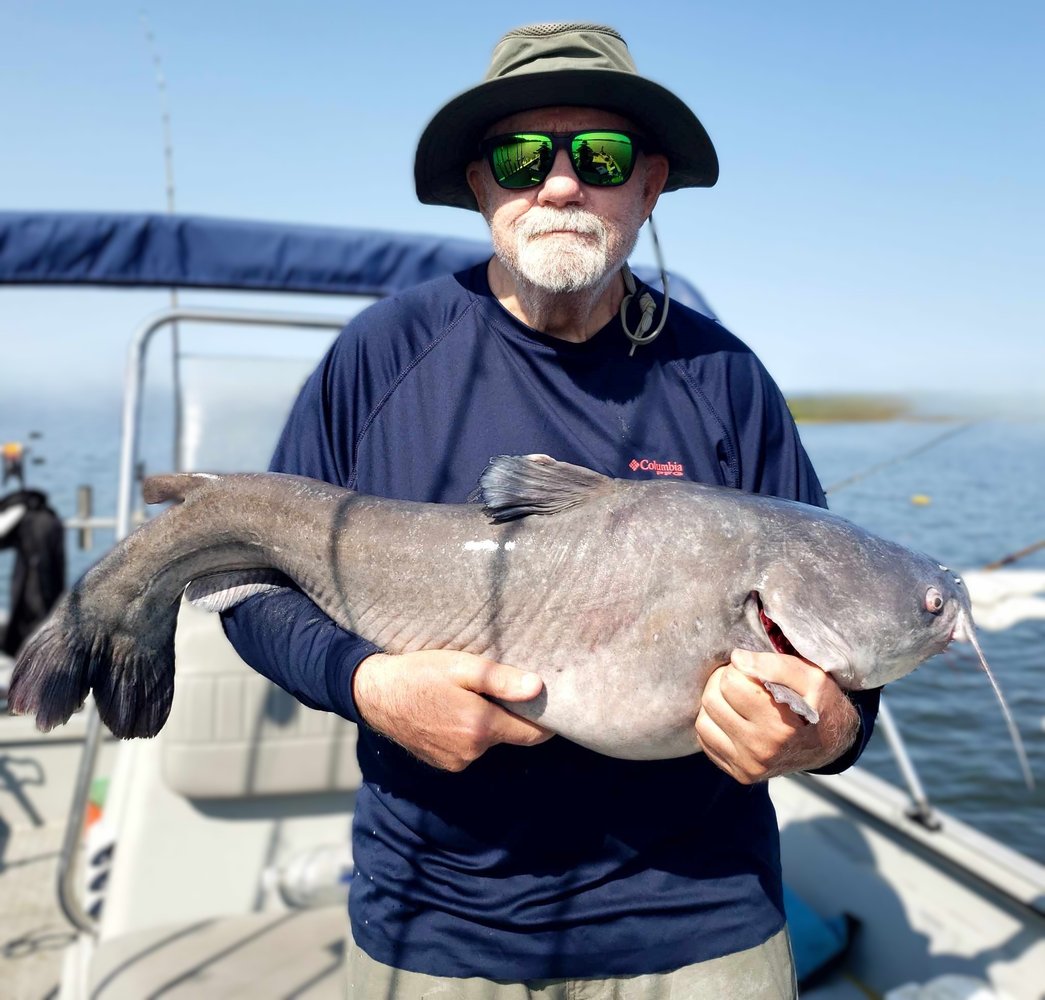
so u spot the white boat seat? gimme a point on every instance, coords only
(234, 735)
(261, 956)
(241, 780)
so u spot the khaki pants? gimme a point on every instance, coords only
(766, 972)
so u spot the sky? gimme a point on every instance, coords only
(878, 225)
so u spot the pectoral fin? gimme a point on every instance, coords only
(783, 695)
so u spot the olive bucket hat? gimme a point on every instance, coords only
(554, 65)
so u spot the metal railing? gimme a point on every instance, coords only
(920, 810)
(68, 899)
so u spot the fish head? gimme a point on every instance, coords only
(866, 614)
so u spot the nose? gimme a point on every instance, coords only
(561, 186)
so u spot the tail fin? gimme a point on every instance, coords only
(51, 676)
(111, 635)
(62, 661)
(176, 486)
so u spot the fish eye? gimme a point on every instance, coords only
(933, 601)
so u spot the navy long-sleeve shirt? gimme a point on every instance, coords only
(551, 860)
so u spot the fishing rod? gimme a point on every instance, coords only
(168, 167)
(1015, 556)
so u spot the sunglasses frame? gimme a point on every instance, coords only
(559, 140)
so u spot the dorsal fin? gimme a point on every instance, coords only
(514, 486)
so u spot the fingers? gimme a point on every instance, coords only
(752, 737)
(724, 733)
(503, 726)
(805, 679)
(495, 724)
(714, 740)
(435, 704)
(498, 680)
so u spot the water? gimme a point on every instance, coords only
(984, 484)
(79, 444)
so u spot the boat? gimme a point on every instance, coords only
(213, 860)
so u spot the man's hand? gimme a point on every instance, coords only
(433, 703)
(752, 737)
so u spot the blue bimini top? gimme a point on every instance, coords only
(120, 249)
(552, 860)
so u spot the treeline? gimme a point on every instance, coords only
(845, 406)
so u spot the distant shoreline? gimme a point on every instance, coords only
(855, 407)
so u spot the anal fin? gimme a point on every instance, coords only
(221, 591)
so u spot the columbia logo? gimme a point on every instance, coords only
(658, 468)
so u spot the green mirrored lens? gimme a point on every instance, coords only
(602, 158)
(521, 161)
(524, 159)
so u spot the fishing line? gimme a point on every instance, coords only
(857, 476)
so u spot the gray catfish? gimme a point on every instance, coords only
(623, 595)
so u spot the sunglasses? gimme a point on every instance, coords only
(602, 158)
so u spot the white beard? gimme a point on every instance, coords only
(561, 262)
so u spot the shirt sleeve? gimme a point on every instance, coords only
(773, 460)
(282, 634)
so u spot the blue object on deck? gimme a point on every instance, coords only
(195, 251)
(815, 940)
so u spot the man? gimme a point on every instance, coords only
(30, 526)
(491, 860)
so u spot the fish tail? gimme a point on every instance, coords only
(63, 660)
(51, 675)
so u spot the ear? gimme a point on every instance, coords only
(476, 176)
(656, 176)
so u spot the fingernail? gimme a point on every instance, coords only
(742, 658)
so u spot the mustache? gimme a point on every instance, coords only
(539, 221)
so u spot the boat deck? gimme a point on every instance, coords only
(33, 931)
(36, 787)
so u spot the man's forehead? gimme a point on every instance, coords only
(561, 119)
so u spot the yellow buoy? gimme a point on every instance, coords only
(921, 500)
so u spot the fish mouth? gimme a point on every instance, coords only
(814, 642)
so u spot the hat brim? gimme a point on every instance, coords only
(451, 140)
